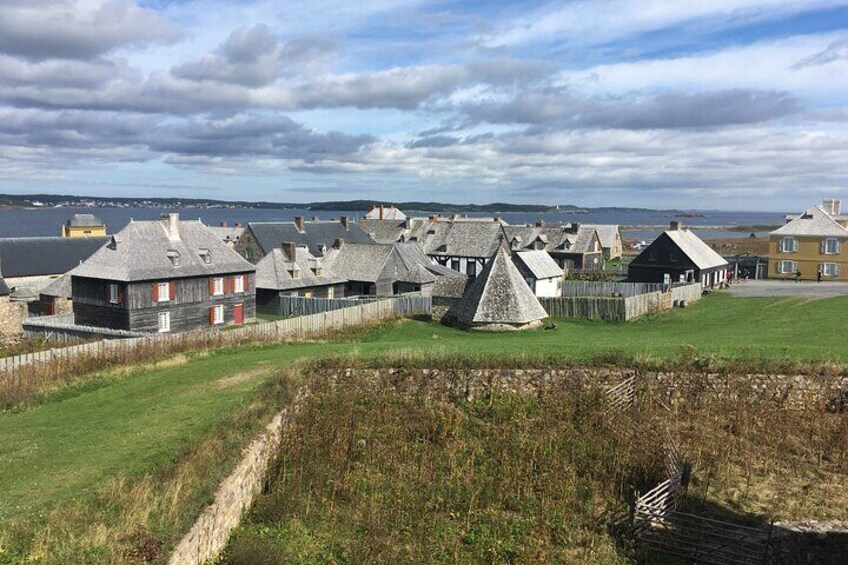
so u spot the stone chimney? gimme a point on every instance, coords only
(172, 226)
(832, 206)
(338, 243)
(382, 212)
(675, 225)
(223, 224)
(314, 218)
(289, 250)
(346, 222)
(497, 220)
(573, 227)
(300, 224)
(540, 223)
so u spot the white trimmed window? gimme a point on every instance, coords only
(331, 292)
(218, 314)
(218, 286)
(788, 245)
(455, 264)
(164, 322)
(830, 246)
(787, 267)
(238, 284)
(163, 293)
(114, 297)
(830, 269)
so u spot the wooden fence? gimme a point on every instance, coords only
(302, 306)
(618, 309)
(605, 288)
(161, 344)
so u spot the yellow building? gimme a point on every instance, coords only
(84, 225)
(811, 243)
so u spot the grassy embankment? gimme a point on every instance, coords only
(147, 445)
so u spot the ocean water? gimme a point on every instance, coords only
(636, 224)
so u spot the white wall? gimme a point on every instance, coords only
(549, 288)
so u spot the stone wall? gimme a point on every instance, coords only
(12, 315)
(210, 533)
(810, 542)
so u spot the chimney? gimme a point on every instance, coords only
(314, 218)
(173, 225)
(300, 224)
(832, 206)
(223, 224)
(289, 250)
(573, 227)
(382, 211)
(238, 224)
(497, 220)
(540, 223)
(675, 225)
(338, 243)
(346, 222)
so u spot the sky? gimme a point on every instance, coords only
(726, 104)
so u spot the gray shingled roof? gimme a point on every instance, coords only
(499, 295)
(389, 213)
(59, 288)
(4, 288)
(367, 263)
(274, 271)
(316, 235)
(227, 233)
(41, 256)
(607, 233)
(539, 263)
(814, 222)
(141, 251)
(556, 238)
(693, 247)
(463, 238)
(84, 221)
(383, 231)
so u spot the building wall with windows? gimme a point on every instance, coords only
(167, 305)
(808, 254)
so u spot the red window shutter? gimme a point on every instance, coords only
(212, 316)
(233, 284)
(245, 280)
(172, 290)
(211, 287)
(155, 292)
(120, 295)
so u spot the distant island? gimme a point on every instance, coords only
(63, 200)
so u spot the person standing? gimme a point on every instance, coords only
(819, 275)
(798, 275)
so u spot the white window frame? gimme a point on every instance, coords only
(785, 247)
(218, 314)
(166, 327)
(836, 246)
(238, 285)
(163, 295)
(834, 270)
(331, 292)
(218, 286)
(781, 267)
(114, 294)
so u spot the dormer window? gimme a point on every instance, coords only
(174, 257)
(206, 256)
(295, 273)
(318, 271)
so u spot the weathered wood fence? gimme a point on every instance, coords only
(618, 308)
(302, 306)
(62, 329)
(292, 328)
(606, 288)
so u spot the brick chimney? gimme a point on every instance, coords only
(289, 250)
(338, 243)
(346, 222)
(300, 224)
(675, 225)
(382, 212)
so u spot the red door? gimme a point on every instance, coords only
(238, 314)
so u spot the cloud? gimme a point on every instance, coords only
(78, 29)
(837, 50)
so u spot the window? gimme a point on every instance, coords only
(786, 267)
(206, 256)
(331, 292)
(114, 297)
(455, 264)
(652, 256)
(217, 286)
(174, 256)
(830, 269)
(673, 257)
(218, 314)
(164, 322)
(471, 268)
(830, 246)
(788, 245)
(163, 292)
(238, 284)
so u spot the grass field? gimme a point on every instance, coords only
(95, 442)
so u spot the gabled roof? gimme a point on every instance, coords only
(42, 256)
(274, 271)
(499, 295)
(568, 238)
(461, 238)
(607, 233)
(539, 263)
(814, 222)
(701, 254)
(385, 213)
(368, 263)
(270, 235)
(84, 221)
(383, 231)
(59, 288)
(143, 251)
(227, 233)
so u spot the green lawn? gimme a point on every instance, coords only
(62, 450)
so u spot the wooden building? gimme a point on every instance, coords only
(811, 243)
(84, 225)
(259, 238)
(679, 256)
(291, 270)
(540, 272)
(163, 276)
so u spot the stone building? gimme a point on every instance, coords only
(11, 313)
(161, 276)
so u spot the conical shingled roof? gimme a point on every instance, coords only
(499, 295)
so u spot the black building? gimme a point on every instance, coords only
(678, 255)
